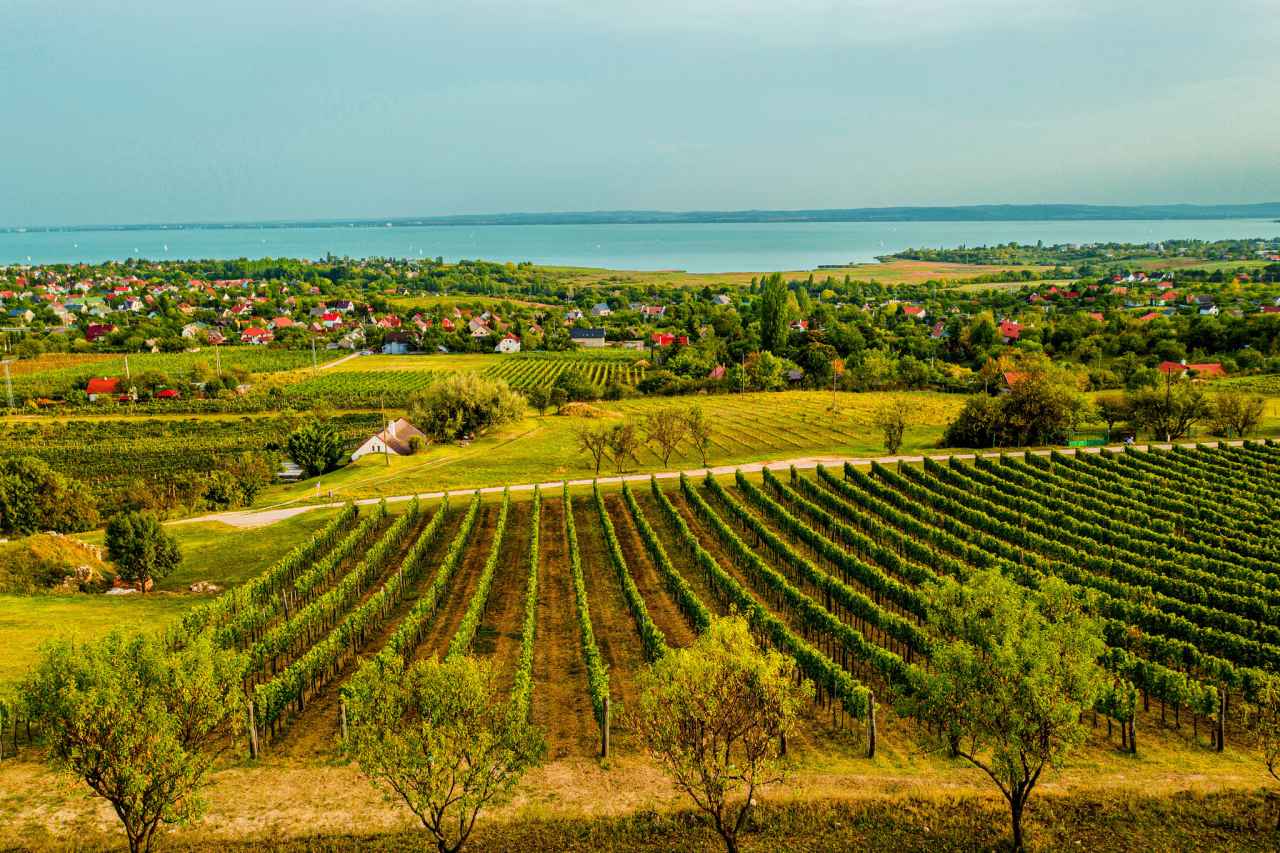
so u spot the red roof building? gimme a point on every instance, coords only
(98, 330)
(104, 386)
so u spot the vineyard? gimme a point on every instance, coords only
(540, 370)
(353, 389)
(571, 594)
(158, 451)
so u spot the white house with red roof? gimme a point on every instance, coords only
(508, 344)
(257, 336)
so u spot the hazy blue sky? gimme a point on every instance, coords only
(139, 110)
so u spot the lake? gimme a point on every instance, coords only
(730, 247)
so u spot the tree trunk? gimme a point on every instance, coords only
(1015, 809)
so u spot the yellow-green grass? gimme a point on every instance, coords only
(28, 621)
(889, 272)
(211, 551)
(463, 300)
(747, 428)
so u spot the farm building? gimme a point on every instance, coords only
(1209, 370)
(396, 343)
(394, 439)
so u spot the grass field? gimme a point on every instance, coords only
(746, 428)
(211, 551)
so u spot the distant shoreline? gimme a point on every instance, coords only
(965, 213)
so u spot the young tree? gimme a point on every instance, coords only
(315, 448)
(698, 428)
(1169, 412)
(1234, 414)
(139, 724)
(666, 429)
(1012, 674)
(623, 443)
(1263, 715)
(891, 419)
(139, 545)
(441, 737)
(714, 716)
(593, 440)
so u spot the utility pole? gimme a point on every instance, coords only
(314, 367)
(217, 356)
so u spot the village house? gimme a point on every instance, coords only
(396, 343)
(395, 439)
(590, 338)
(509, 344)
(601, 309)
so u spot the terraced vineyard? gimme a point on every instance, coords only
(572, 594)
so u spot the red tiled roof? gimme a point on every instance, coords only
(104, 385)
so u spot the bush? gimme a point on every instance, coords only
(464, 404)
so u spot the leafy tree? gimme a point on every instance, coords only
(977, 425)
(774, 314)
(441, 737)
(139, 724)
(464, 404)
(34, 497)
(1235, 414)
(140, 547)
(891, 419)
(1011, 676)
(1263, 715)
(698, 428)
(539, 397)
(1112, 409)
(714, 715)
(576, 386)
(593, 440)
(252, 472)
(1169, 412)
(666, 429)
(623, 443)
(315, 448)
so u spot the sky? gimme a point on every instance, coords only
(134, 111)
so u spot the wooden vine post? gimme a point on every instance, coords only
(342, 713)
(253, 732)
(604, 730)
(871, 725)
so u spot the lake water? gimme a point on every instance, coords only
(694, 247)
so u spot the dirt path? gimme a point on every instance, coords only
(449, 614)
(499, 634)
(561, 704)
(258, 518)
(662, 607)
(611, 619)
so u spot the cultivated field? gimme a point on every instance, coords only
(1175, 548)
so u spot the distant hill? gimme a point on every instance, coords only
(964, 213)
